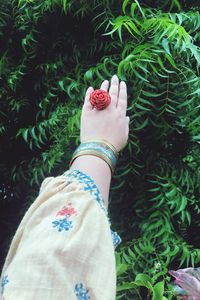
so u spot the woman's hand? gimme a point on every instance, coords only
(110, 124)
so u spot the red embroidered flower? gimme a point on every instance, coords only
(66, 211)
(100, 99)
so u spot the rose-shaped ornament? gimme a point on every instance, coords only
(100, 99)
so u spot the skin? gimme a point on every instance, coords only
(110, 124)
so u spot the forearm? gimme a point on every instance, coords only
(98, 170)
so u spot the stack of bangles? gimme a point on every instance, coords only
(99, 148)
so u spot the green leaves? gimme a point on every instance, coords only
(158, 291)
(69, 86)
(169, 194)
(143, 280)
(34, 136)
(126, 22)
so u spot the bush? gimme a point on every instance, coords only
(51, 51)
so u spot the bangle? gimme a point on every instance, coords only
(100, 149)
(104, 142)
(93, 153)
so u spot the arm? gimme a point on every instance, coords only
(111, 125)
(64, 242)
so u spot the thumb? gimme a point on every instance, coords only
(127, 129)
(87, 103)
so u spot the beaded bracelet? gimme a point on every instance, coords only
(99, 148)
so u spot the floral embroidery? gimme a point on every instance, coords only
(62, 224)
(66, 211)
(62, 221)
(81, 292)
(4, 281)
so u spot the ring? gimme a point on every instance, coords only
(100, 99)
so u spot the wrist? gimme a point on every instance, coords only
(99, 148)
(88, 162)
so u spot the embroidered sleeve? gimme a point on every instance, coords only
(64, 246)
(87, 184)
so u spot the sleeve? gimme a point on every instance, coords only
(64, 247)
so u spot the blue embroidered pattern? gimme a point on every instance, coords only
(4, 281)
(116, 238)
(62, 224)
(81, 292)
(90, 186)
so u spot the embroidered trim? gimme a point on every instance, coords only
(90, 186)
(81, 292)
(116, 238)
(4, 281)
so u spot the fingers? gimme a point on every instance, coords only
(105, 85)
(87, 104)
(118, 93)
(122, 100)
(114, 90)
(127, 128)
(128, 120)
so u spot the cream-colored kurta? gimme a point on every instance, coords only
(64, 247)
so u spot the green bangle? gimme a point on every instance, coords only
(100, 149)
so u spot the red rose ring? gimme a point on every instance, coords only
(100, 99)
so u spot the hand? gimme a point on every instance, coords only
(110, 124)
